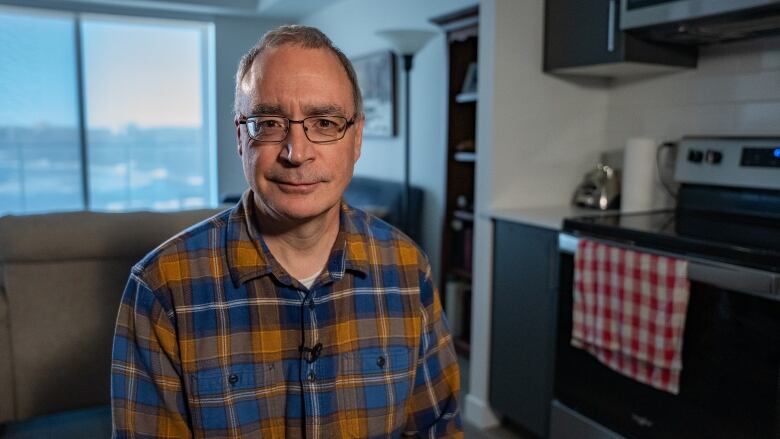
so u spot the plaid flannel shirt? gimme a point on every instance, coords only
(215, 339)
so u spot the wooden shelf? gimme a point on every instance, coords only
(465, 156)
(464, 98)
(463, 215)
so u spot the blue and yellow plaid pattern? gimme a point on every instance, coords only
(210, 330)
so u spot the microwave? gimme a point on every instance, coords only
(699, 22)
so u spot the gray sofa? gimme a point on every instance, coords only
(384, 198)
(61, 279)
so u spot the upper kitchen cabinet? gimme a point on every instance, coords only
(583, 37)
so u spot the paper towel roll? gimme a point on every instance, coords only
(640, 174)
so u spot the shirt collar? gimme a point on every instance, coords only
(248, 256)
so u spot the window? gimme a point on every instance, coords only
(40, 143)
(144, 138)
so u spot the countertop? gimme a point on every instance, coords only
(549, 217)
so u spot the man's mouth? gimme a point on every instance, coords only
(296, 186)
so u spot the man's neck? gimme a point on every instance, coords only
(301, 247)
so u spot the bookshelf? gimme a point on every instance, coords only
(458, 229)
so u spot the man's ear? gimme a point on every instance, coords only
(238, 135)
(359, 123)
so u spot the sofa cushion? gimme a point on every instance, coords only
(62, 321)
(6, 369)
(62, 277)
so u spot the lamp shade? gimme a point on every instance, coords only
(406, 41)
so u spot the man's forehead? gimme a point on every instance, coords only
(289, 63)
(292, 57)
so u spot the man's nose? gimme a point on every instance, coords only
(298, 149)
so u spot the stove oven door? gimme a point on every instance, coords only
(730, 383)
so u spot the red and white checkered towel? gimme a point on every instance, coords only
(629, 311)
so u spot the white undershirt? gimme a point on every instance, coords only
(309, 281)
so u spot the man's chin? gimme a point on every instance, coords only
(297, 210)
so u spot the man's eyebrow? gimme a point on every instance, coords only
(331, 109)
(266, 109)
(309, 110)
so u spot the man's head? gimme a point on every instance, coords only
(296, 72)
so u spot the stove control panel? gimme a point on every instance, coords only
(766, 157)
(752, 162)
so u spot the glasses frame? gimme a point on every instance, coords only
(245, 119)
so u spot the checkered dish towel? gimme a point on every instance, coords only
(629, 312)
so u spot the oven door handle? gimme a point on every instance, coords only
(567, 243)
(721, 275)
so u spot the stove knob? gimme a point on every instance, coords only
(714, 157)
(695, 156)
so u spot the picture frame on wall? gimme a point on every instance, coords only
(376, 78)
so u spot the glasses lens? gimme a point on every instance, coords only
(325, 128)
(267, 128)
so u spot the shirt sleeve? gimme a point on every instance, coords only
(434, 410)
(147, 399)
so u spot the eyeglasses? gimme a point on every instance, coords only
(318, 129)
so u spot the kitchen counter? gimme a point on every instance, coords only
(549, 217)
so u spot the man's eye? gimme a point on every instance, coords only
(268, 124)
(324, 123)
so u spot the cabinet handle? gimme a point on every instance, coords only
(612, 24)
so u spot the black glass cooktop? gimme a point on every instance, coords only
(742, 240)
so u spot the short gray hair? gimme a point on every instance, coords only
(302, 36)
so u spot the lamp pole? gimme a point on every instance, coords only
(407, 42)
(407, 194)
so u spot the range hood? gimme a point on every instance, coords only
(700, 22)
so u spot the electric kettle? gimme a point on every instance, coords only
(600, 189)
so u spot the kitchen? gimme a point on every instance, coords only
(733, 90)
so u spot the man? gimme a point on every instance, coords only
(291, 314)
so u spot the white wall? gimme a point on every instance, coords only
(536, 135)
(734, 90)
(352, 25)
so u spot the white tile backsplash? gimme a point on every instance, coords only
(734, 90)
(759, 117)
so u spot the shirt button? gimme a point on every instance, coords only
(233, 379)
(380, 361)
(312, 376)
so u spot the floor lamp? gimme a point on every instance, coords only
(406, 42)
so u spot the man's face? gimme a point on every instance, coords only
(296, 83)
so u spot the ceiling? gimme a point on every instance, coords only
(277, 9)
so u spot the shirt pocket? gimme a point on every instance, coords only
(373, 387)
(244, 399)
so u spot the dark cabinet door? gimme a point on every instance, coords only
(523, 325)
(581, 32)
(584, 37)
